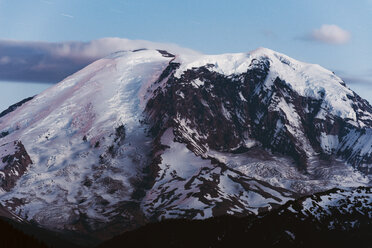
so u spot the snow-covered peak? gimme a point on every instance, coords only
(226, 64)
(308, 80)
(263, 51)
(101, 85)
(313, 81)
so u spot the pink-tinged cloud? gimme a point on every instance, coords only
(52, 62)
(331, 34)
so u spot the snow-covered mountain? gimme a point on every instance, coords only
(144, 135)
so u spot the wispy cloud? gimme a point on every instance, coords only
(361, 80)
(46, 1)
(67, 15)
(118, 11)
(51, 62)
(364, 78)
(195, 22)
(4, 60)
(330, 34)
(362, 84)
(269, 33)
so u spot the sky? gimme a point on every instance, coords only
(42, 41)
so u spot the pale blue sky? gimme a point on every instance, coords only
(208, 26)
(12, 92)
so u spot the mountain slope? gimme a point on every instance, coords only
(144, 135)
(86, 145)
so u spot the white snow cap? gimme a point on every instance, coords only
(308, 80)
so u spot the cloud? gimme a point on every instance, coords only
(361, 84)
(52, 62)
(357, 80)
(46, 2)
(352, 79)
(67, 15)
(331, 34)
(269, 34)
(4, 60)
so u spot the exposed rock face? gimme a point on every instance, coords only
(233, 113)
(14, 162)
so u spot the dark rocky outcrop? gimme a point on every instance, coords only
(15, 106)
(14, 165)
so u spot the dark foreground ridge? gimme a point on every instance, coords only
(335, 218)
(14, 238)
(289, 226)
(17, 233)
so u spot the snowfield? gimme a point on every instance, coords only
(67, 130)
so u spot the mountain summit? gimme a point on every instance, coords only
(144, 135)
